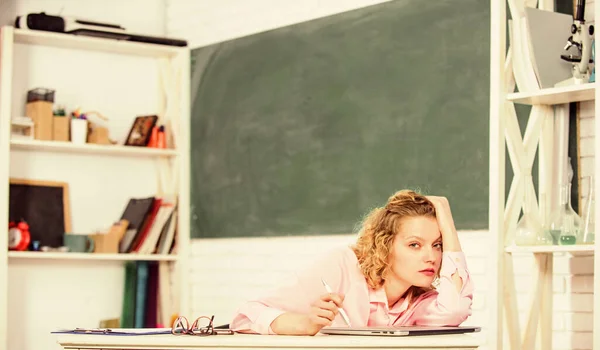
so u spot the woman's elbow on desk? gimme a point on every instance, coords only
(255, 318)
(443, 320)
(438, 316)
(273, 322)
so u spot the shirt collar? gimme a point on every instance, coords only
(379, 296)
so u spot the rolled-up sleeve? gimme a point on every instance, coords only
(449, 305)
(255, 317)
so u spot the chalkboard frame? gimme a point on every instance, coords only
(45, 183)
(226, 77)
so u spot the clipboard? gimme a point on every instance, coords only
(114, 331)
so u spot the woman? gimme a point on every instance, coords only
(386, 278)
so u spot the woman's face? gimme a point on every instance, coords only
(416, 253)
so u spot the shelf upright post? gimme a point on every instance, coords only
(596, 290)
(496, 169)
(6, 72)
(183, 160)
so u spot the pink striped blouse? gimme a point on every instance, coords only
(444, 306)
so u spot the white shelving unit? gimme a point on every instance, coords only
(87, 256)
(112, 150)
(94, 44)
(583, 248)
(172, 165)
(554, 96)
(509, 68)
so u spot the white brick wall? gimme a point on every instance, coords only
(224, 272)
(210, 21)
(586, 145)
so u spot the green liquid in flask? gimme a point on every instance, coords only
(568, 240)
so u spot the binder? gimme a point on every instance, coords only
(136, 213)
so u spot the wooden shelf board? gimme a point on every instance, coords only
(68, 147)
(557, 95)
(80, 42)
(90, 256)
(552, 249)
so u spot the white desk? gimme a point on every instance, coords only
(246, 341)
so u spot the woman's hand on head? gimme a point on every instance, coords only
(445, 222)
(443, 214)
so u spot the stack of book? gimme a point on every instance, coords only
(152, 225)
(147, 301)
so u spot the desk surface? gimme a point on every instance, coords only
(248, 341)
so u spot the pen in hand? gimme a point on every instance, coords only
(342, 312)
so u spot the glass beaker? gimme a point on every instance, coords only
(529, 230)
(589, 214)
(571, 232)
(564, 225)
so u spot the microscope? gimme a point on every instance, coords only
(581, 38)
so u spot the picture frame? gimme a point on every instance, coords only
(44, 205)
(141, 130)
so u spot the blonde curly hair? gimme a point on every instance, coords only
(378, 230)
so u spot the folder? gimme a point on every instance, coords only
(114, 331)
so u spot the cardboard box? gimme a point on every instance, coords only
(60, 127)
(98, 134)
(108, 243)
(41, 114)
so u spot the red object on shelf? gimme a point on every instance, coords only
(160, 139)
(18, 236)
(153, 137)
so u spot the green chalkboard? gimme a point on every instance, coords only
(303, 129)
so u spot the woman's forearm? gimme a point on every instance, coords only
(454, 245)
(450, 241)
(290, 323)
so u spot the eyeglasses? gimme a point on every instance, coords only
(202, 326)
